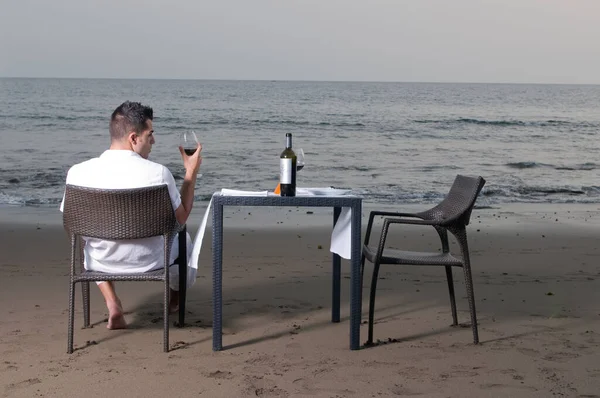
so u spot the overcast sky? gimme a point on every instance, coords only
(522, 41)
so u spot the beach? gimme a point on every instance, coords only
(537, 288)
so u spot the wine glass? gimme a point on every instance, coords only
(299, 159)
(189, 142)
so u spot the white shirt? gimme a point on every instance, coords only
(123, 169)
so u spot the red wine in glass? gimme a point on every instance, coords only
(189, 142)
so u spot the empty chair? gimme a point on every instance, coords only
(120, 214)
(451, 215)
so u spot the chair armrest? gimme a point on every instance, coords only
(393, 214)
(413, 222)
(442, 231)
(384, 213)
(386, 226)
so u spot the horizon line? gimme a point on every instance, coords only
(294, 80)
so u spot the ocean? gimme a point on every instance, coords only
(392, 143)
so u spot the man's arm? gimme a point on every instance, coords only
(192, 166)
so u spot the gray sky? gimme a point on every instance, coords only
(523, 41)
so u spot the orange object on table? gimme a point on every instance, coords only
(278, 189)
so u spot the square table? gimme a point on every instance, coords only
(337, 203)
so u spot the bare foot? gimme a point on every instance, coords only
(174, 302)
(116, 320)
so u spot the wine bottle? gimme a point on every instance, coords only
(287, 168)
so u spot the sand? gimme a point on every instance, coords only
(537, 289)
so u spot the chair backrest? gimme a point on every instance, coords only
(116, 214)
(457, 205)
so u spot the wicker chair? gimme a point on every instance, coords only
(453, 215)
(117, 215)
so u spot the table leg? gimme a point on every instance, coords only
(336, 276)
(217, 249)
(355, 279)
(183, 260)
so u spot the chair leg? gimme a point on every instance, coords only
(462, 238)
(452, 297)
(372, 302)
(166, 317)
(71, 318)
(471, 298)
(85, 291)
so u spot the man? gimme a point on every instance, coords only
(125, 165)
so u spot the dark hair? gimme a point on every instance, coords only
(129, 116)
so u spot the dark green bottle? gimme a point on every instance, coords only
(287, 168)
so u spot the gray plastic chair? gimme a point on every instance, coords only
(119, 214)
(452, 215)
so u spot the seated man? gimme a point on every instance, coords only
(125, 165)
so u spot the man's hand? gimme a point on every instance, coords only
(192, 163)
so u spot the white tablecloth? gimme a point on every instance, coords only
(340, 235)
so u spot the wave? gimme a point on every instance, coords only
(292, 122)
(202, 198)
(248, 124)
(6, 199)
(531, 164)
(32, 179)
(524, 165)
(536, 190)
(306, 123)
(347, 168)
(510, 122)
(391, 194)
(583, 166)
(492, 122)
(437, 167)
(341, 124)
(54, 117)
(524, 193)
(14, 200)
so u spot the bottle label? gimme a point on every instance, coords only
(285, 171)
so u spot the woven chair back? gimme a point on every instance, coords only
(116, 214)
(457, 205)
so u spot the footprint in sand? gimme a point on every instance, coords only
(560, 356)
(529, 352)
(179, 345)
(24, 383)
(512, 372)
(506, 387)
(457, 373)
(404, 392)
(10, 365)
(218, 374)
(262, 387)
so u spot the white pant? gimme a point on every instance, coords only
(174, 268)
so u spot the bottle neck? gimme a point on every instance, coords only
(288, 141)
